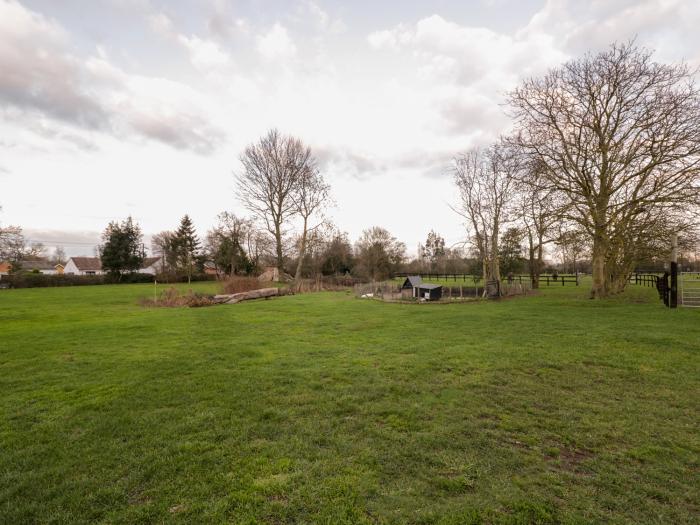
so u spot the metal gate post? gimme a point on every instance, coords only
(673, 300)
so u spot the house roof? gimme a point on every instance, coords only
(87, 264)
(414, 280)
(149, 261)
(94, 264)
(37, 264)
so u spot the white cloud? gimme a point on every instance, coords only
(161, 24)
(276, 43)
(42, 78)
(204, 54)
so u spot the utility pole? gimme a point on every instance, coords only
(673, 302)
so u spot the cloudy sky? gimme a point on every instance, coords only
(141, 107)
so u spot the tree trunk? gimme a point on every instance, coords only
(278, 248)
(540, 261)
(302, 250)
(495, 267)
(531, 260)
(599, 289)
(601, 249)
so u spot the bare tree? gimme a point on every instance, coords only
(162, 245)
(485, 179)
(572, 244)
(310, 197)
(12, 244)
(271, 171)
(59, 256)
(539, 213)
(619, 137)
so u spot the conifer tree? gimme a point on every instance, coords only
(122, 250)
(186, 245)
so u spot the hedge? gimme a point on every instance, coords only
(38, 280)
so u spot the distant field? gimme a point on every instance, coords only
(323, 408)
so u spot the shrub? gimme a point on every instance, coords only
(241, 284)
(326, 283)
(39, 280)
(171, 277)
(130, 278)
(172, 298)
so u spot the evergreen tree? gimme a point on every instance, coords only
(122, 250)
(186, 245)
(511, 257)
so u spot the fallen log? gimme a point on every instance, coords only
(245, 296)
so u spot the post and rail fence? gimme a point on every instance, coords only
(546, 279)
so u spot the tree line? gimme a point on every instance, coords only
(603, 159)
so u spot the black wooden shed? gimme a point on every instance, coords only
(429, 292)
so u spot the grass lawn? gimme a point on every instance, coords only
(324, 408)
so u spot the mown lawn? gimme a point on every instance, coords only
(324, 408)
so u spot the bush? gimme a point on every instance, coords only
(130, 278)
(326, 283)
(38, 280)
(173, 298)
(171, 277)
(241, 284)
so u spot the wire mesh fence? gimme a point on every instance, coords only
(392, 291)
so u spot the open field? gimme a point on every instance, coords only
(323, 408)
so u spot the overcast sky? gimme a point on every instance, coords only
(141, 107)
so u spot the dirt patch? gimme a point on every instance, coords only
(571, 459)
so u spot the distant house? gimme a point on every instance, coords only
(210, 268)
(84, 266)
(34, 265)
(39, 265)
(151, 265)
(93, 266)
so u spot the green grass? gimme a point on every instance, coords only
(323, 408)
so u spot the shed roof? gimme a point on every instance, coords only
(414, 280)
(426, 286)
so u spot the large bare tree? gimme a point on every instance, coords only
(619, 137)
(272, 168)
(485, 179)
(310, 197)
